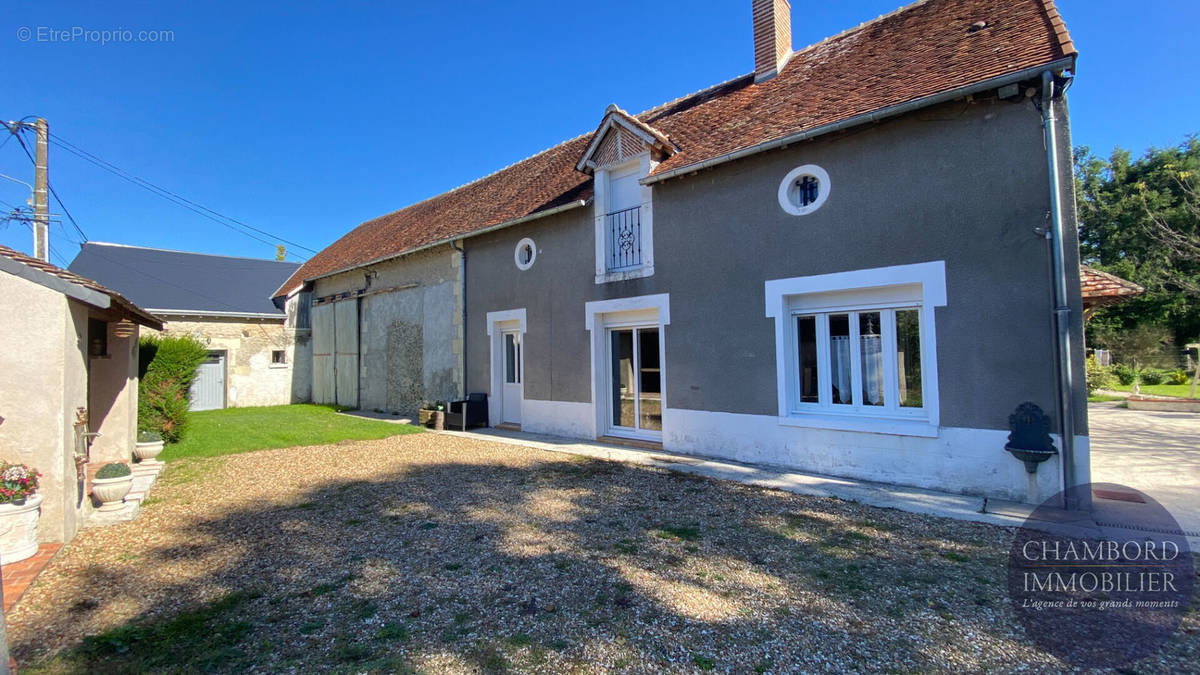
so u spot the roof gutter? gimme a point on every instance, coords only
(874, 116)
(441, 242)
(213, 313)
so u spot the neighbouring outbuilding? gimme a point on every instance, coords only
(68, 383)
(256, 357)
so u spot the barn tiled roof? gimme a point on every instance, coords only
(136, 313)
(1101, 288)
(926, 48)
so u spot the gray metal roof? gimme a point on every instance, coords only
(178, 281)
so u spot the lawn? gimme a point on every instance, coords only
(1174, 390)
(234, 430)
(435, 553)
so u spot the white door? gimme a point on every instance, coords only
(635, 382)
(208, 389)
(514, 389)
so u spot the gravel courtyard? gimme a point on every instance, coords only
(433, 553)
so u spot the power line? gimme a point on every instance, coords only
(19, 126)
(62, 259)
(167, 194)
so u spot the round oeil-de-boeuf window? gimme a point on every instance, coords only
(804, 190)
(525, 253)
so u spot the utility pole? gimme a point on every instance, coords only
(41, 207)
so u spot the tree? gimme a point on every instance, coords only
(167, 366)
(1140, 219)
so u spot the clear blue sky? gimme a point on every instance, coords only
(306, 119)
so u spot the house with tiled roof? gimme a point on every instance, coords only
(73, 342)
(856, 260)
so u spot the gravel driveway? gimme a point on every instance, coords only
(445, 554)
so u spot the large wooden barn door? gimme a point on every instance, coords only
(323, 389)
(346, 350)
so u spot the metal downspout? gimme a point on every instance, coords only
(1062, 311)
(462, 271)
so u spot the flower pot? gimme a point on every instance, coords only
(424, 416)
(146, 452)
(438, 420)
(18, 529)
(110, 492)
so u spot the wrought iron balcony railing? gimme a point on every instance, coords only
(624, 238)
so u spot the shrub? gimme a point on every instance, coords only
(149, 437)
(113, 470)
(1125, 374)
(1098, 377)
(17, 482)
(1153, 376)
(1179, 376)
(166, 378)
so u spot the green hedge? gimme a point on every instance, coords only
(167, 366)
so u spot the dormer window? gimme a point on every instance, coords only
(623, 151)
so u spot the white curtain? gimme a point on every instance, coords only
(872, 354)
(839, 358)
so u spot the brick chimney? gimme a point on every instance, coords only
(772, 37)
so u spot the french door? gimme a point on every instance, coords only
(635, 382)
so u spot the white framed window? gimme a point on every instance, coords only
(525, 254)
(624, 220)
(857, 350)
(859, 361)
(804, 189)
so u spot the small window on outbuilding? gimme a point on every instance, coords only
(97, 338)
(278, 357)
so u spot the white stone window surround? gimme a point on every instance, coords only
(782, 296)
(823, 189)
(599, 315)
(644, 165)
(508, 319)
(517, 254)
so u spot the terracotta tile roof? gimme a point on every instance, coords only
(927, 48)
(136, 313)
(1101, 288)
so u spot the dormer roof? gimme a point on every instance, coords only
(627, 135)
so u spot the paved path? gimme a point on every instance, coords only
(1155, 452)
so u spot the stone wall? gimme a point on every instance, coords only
(251, 378)
(410, 328)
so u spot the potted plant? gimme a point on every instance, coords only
(425, 414)
(438, 418)
(20, 506)
(149, 444)
(433, 415)
(111, 484)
